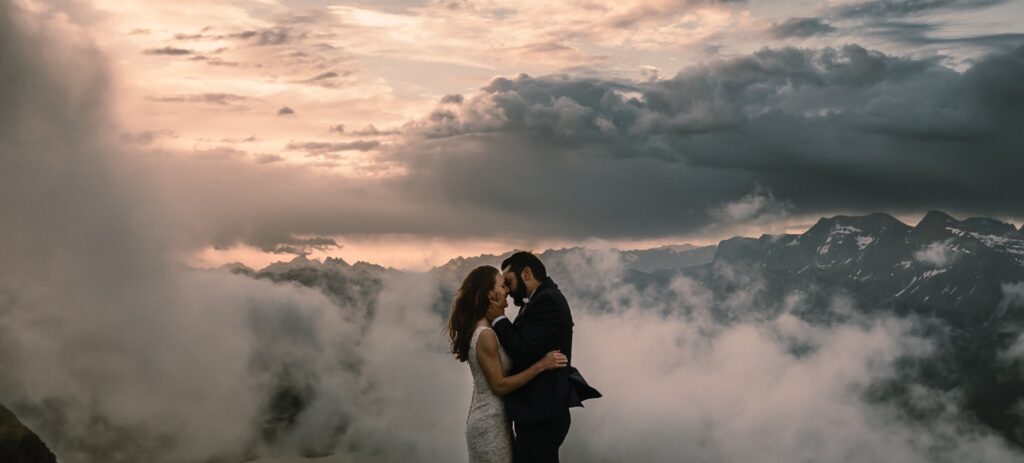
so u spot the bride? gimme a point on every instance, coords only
(488, 431)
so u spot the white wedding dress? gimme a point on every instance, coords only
(488, 430)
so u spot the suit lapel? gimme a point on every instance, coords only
(522, 312)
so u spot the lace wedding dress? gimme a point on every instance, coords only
(488, 431)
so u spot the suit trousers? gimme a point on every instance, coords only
(538, 441)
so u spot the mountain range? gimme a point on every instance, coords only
(18, 444)
(955, 270)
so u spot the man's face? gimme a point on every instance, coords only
(516, 287)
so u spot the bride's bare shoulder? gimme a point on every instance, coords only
(487, 341)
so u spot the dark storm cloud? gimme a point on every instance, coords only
(219, 153)
(210, 98)
(269, 36)
(918, 34)
(214, 61)
(801, 27)
(268, 158)
(275, 35)
(801, 131)
(324, 75)
(642, 12)
(297, 246)
(371, 130)
(904, 8)
(146, 137)
(250, 138)
(821, 129)
(328, 79)
(168, 50)
(316, 148)
(917, 23)
(452, 99)
(1006, 40)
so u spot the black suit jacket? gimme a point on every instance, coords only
(544, 324)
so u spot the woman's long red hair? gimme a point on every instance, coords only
(470, 305)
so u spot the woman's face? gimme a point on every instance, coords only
(499, 293)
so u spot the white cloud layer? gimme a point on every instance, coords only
(940, 254)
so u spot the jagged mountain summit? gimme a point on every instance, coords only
(18, 444)
(952, 268)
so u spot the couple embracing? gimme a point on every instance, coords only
(523, 384)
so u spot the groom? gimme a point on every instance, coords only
(540, 409)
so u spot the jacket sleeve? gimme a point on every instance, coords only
(528, 342)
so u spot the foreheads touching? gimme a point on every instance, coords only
(523, 273)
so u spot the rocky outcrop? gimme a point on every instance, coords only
(18, 444)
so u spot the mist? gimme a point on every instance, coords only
(112, 351)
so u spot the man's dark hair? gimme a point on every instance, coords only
(523, 259)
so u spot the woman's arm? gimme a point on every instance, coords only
(490, 362)
(529, 341)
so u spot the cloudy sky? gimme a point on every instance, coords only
(408, 132)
